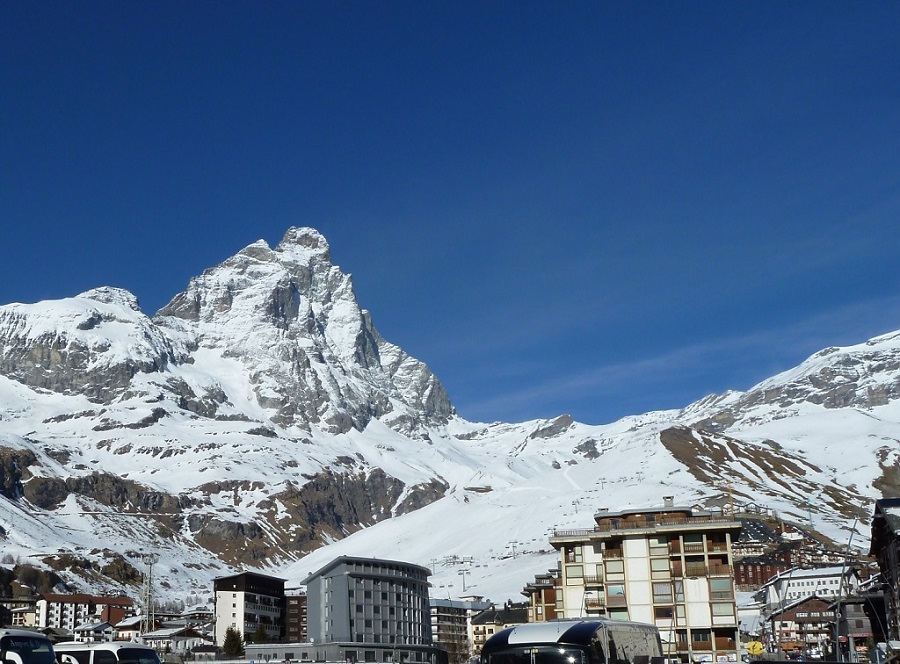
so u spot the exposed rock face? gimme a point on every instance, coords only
(312, 355)
(92, 344)
(863, 376)
(13, 468)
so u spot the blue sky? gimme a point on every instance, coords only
(593, 208)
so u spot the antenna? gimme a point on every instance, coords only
(148, 620)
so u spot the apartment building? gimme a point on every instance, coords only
(802, 626)
(249, 602)
(73, 610)
(451, 625)
(544, 596)
(295, 616)
(824, 582)
(670, 566)
(362, 610)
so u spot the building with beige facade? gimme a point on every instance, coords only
(670, 566)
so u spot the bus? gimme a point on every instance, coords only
(20, 646)
(113, 652)
(577, 641)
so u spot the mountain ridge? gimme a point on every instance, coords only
(259, 419)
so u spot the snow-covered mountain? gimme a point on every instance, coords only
(260, 420)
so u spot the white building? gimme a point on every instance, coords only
(94, 632)
(795, 584)
(176, 640)
(69, 611)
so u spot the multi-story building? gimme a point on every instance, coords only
(366, 600)
(752, 572)
(362, 610)
(69, 611)
(793, 584)
(669, 566)
(451, 625)
(17, 611)
(885, 548)
(803, 626)
(544, 596)
(249, 602)
(295, 621)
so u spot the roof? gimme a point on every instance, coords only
(172, 632)
(502, 616)
(797, 602)
(84, 598)
(342, 560)
(798, 573)
(93, 627)
(245, 573)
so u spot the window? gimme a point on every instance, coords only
(574, 574)
(659, 568)
(722, 609)
(662, 612)
(662, 593)
(720, 589)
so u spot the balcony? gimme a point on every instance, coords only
(594, 603)
(613, 553)
(691, 569)
(674, 523)
(616, 601)
(593, 580)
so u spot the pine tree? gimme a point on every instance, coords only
(234, 643)
(259, 635)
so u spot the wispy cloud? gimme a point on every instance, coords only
(748, 358)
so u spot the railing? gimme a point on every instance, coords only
(593, 580)
(613, 553)
(594, 603)
(642, 525)
(690, 570)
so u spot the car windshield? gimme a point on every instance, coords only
(537, 655)
(30, 649)
(138, 656)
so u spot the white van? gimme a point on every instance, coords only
(115, 652)
(21, 646)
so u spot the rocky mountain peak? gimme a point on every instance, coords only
(110, 295)
(311, 353)
(305, 240)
